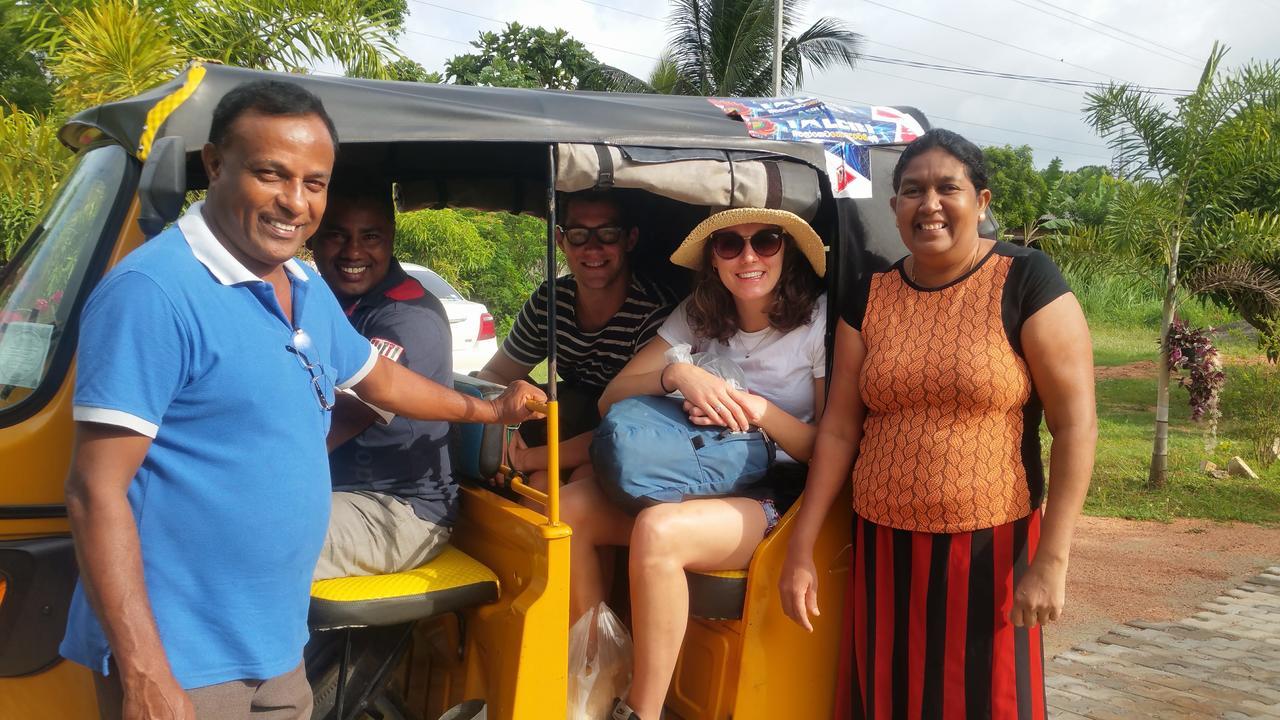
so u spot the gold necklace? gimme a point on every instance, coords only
(973, 262)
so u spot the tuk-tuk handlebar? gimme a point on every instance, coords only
(551, 498)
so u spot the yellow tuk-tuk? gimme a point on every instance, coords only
(489, 622)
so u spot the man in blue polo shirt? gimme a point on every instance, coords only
(207, 365)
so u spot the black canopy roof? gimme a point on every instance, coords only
(379, 111)
(481, 130)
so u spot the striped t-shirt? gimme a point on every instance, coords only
(589, 358)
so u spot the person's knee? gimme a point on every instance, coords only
(659, 535)
(578, 506)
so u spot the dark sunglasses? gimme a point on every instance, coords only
(579, 236)
(728, 245)
(300, 338)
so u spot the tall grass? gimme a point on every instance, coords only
(1124, 318)
(1129, 301)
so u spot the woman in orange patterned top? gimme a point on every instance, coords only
(944, 365)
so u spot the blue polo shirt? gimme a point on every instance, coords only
(181, 343)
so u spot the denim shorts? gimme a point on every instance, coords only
(771, 515)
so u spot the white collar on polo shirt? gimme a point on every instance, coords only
(211, 253)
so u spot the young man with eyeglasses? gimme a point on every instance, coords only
(394, 497)
(198, 494)
(606, 314)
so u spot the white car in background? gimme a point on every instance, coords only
(474, 338)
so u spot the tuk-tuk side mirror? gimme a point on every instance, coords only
(162, 189)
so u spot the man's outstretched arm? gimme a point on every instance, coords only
(108, 550)
(404, 392)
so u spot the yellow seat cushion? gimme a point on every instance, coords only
(718, 595)
(450, 581)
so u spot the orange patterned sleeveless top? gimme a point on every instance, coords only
(951, 438)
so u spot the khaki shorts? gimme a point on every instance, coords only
(283, 697)
(372, 533)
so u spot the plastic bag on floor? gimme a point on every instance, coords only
(599, 663)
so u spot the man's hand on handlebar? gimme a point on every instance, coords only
(512, 406)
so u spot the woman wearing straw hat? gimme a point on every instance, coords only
(757, 298)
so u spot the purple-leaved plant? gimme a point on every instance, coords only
(1193, 356)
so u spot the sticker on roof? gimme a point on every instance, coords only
(845, 131)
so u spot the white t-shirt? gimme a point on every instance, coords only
(782, 366)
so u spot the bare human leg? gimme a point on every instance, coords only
(596, 524)
(706, 534)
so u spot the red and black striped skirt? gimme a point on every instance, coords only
(927, 631)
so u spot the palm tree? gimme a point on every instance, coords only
(283, 35)
(290, 35)
(111, 50)
(725, 48)
(1195, 167)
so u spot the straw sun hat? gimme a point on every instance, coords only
(689, 254)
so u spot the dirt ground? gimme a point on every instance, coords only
(1140, 369)
(1123, 570)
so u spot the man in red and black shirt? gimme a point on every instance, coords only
(394, 499)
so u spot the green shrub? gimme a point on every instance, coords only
(1250, 405)
(32, 162)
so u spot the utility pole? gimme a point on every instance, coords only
(777, 48)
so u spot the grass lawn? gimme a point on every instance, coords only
(1126, 420)
(1123, 343)
(1124, 320)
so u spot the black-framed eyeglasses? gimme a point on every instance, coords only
(300, 338)
(728, 245)
(605, 235)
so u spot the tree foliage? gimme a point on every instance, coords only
(725, 48)
(30, 159)
(111, 50)
(495, 258)
(1083, 196)
(445, 241)
(1198, 165)
(61, 56)
(285, 35)
(527, 57)
(24, 82)
(407, 70)
(1018, 191)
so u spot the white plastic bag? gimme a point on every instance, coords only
(599, 663)
(711, 361)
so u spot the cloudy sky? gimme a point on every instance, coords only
(1158, 44)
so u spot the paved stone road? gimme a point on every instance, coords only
(1222, 662)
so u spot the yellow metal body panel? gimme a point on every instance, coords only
(764, 666)
(452, 568)
(36, 454)
(516, 649)
(64, 692)
(727, 574)
(785, 669)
